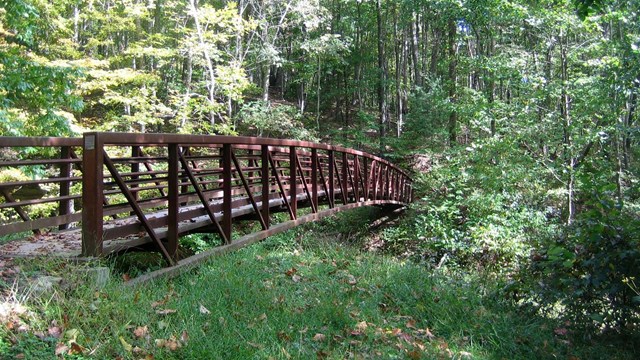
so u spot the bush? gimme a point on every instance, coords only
(590, 269)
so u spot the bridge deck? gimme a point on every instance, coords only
(68, 243)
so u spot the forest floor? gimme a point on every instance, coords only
(312, 292)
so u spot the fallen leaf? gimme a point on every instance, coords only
(411, 324)
(184, 337)
(296, 278)
(262, 317)
(55, 332)
(126, 277)
(166, 311)
(172, 344)
(76, 349)
(468, 354)
(72, 335)
(414, 355)
(257, 346)
(361, 326)
(204, 310)
(291, 271)
(319, 337)
(351, 280)
(61, 348)
(20, 356)
(125, 345)
(141, 331)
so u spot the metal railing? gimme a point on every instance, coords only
(158, 187)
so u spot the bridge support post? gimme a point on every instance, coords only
(65, 172)
(332, 197)
(293, 182)
(173, 200)
(345, 180)
(266, 183)
(92, 195)
(314, 178)
(226, 189)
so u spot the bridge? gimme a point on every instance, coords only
(106, 193)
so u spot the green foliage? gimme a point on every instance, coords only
(276, 120)
(36, 94)
(588, 268)
(267, 301)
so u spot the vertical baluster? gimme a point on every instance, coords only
(266, 184)
(65, 186)
(173, 200)
(226, 189)
(331, 180)
(314, 178)
(293, 185)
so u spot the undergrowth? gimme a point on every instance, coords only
(301, 294)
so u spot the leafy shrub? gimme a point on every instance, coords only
(590, 269)
(472, 216)
(261, 118)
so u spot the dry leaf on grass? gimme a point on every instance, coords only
(141, 331)
(125, 345)
(204, 310)
(55, 332)
(166, 311)
(61, 348)
(319, 337)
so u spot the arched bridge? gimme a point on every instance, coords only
(111, 192)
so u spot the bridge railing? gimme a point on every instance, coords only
(161, 186)
(38, 189)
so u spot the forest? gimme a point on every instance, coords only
(517, 119)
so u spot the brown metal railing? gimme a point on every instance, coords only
(158, 187)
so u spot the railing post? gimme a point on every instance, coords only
(387, 182)
(135, 167)
(92, 195)
(226, 189)
(366, 178)
(314, 178)
(293, 185)
(356, 173)
(266, 184)
(345, 182)
(331, 180)
(173, 200)
(65, 172)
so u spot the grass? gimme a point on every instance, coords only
(301, 294)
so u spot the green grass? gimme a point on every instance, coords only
(271, 300)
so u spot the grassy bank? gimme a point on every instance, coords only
(301, 294)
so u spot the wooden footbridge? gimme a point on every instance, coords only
(111, 192)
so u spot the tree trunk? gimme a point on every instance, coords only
(382, 96)
(453, 115)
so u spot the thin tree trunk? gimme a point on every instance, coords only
(382, 96)
(566, 117)
(453, 115)
(208, 61)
